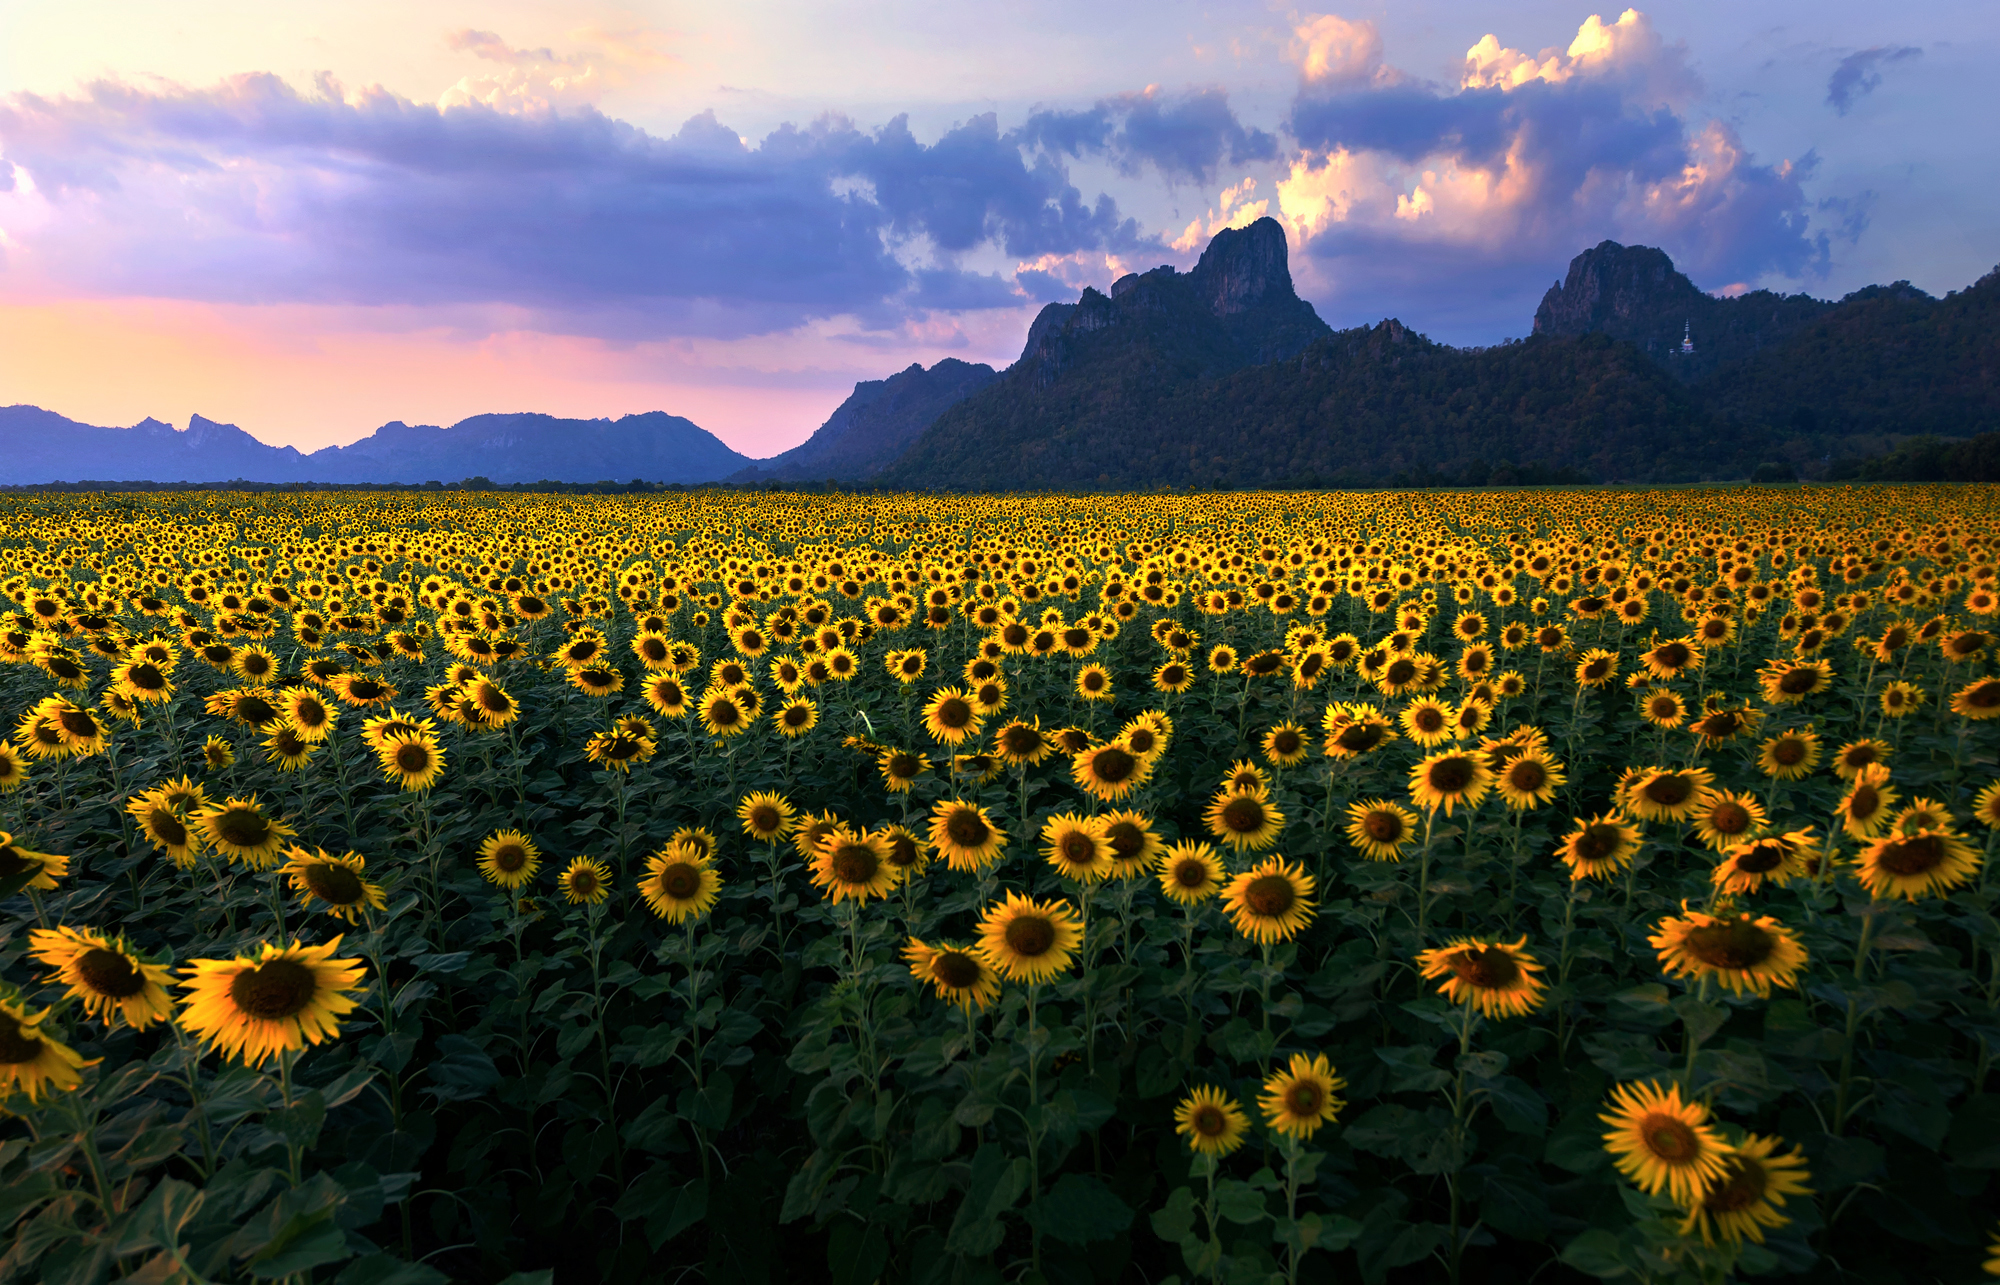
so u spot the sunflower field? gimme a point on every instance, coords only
(1253, 888)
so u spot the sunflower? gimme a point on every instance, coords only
(413, 763)
(361, 691)
(1672, 658)
(81, 732)
(1300, 1097)
(217, 754)
(1922, 814)
(1596, 667)
(336, 881)
(1071, 740)
(1746, 1198)
(1029, 941)
(1380, 829)
(163, 825)
(1789, 756)
(496, 707)
(1720, 726)
(666, 696)
(1022, 744)
(287, 749)
(1247, 778)
(1865, 809)
(1854, 756)
(957, 974)
(377, 732)
(278, 1002)
(1660, 1142)
(509, 858)
(1927, 863)
(1245, 820)
(1190, 873)
(13, 770)
(1744, 954)
(767, 817)
(1496, 977)
(618, 750)
(307, 714)
(1529, 780)
(965, 835)
(1173, 676)
(1134, 846)
(1110, 772)
(1986, 806)
(1355, 730)
(901, 768)
(854, 866)
(1977, 700)
(1599, 847)
(1725, 818)
(585, 882)
(105, 973)
(1448, 780)
(796, 717)
(238, 829)
(1211, 1122)
(722, 715)
(142, 681)
(1899, 699)
(679, 883)
(1787, 682)
(1771, 858)
(1427, 722)
(31, 1058)
(1272, 901)
(1664, 794)
(1663, 708)
(1076, 847)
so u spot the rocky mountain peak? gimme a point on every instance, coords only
(1610, 286)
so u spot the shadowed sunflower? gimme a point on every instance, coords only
(1134, 845)
(1380, 829)
(908, 853)
(1272, 901)
(288, 750)
(1718, 727)
(1529, 780)
(1496, 977)
(496, 707)
(585, 882)
(1246, 820)
(13, 769)
(964, 835)
(853, 867)
(722, 715)
(82, 733)
(1301, 1096)
(238, 829)
(1021, 744)
(509, 859)
(1789, 756)
(412, 763)
(1865, 809)
(361, 691)
(163, 825)
(1745, 1199)
(111, 978)
(1245, 777)
(277, 1002)
(618, 751)
(1900, 699)
(1596, 667)
(1928, 863)
(31, 1059)
(1977, 700)
(1599, 847)
(956, 974)
(1211, 1121)
(1076, 847)
(334, 881)
(796, 717)
(1190, 873)
(1094, 683)
(143, 681)
(1771, 858)
(1986, 806)
(1662, 1143)
(766, 817)
(599, 681)
(1354, 730)
(1029, 941)
(217, 754)
(679, 883)
(1746, 955)
(1856, 756)
(1110, 772)
(1726, 819)
(307, 713)
(1286, 745)
(1452, 779)
(666, 695)
(1663, 794)
(901, 768)
(1174, 676)
(1787, 682)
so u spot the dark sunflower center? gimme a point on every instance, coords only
(16, 1045)
(165, 825)
(724, 714)
(108, 972)
(966, 829)
(1078, 849)
(1400, 672)
(1304, 1100)
(583, 883)
(1126, 839)
(855, 863)
(1799, 682)
(955, 969)
(1669, 1138)
(1597, 843)
(1021, 741)
(902, 850)
(954, 712)
(510, 858)
(1285, 742)
(78, 723)
(1270, 895)
(1672, 656)
(1527, 775)
(413, 757)
(1359, 738)
(276, 989)
(1733, 946)
(1031, 936)
(243, 828)
(1190, 874)
(1740, 1187)
(1984, 696)
(1487, 968)
(1113, 764)
(1209, 1121)
(1383, 826)
(1761, 859)
(1243, 815)
(145, 678)
(765, 819)
(1451, 776)
(1912, 856)
(366, 689)
(1729, 817)
(1668, 790)
(334, 884)
(1428, 719)
(1865, 803)
(680, 881)
(1789, 753)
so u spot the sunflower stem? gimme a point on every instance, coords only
(1853, 1025)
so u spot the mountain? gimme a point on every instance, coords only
(876, 423)
(40, 446)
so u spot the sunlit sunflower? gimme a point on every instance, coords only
(1353, 731)
(1662, 1143)
(1380, 829)
(1174, 676)
(666, 696)
(335, 882)
(361, 691)
(1899, 699)
(1496, 977)
(1787, 682)
(1022, 744)
(509, 859)
(1663, 708)
(1596, 667)
(496, 707)
(766, 816)
(1110, 772)
(31, 1057)
(1454, 778)
(1134, 844)
(142, 681)
(1725, 818)
(1928, 863)
(1076, 847)
(1272, 901)
(1301, 1096)
(1529, 780)
(618, 751)
(13, 769)
(1789, 756)
(1978, 700)
(165, 827)
(949, 716)
(852, 866)
(723, 715)
(1190, 873)
(239, 829)
(1747, 955)
(1211, 1121)
(1663, 794)
(1029, 941)
(1986, 806)
(586, 881)
(964, 835)
(250, 1007)
(1745, 1199)
(1599, 847)
(908, 853)
(680, 883)
(1427, 722)
(111, 978)
(1771, 858)
(1865, 809)
(796, 717)
(956, 974)
(1850, 759)
(412, 763)
(1245, 820)
(1286, 745)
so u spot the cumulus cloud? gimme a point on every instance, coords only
(1332, 50)
(253, 191)
(541, 79)
(1858, 75)
(1187, 135)
(1528, 159)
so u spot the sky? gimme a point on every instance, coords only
(313, 218)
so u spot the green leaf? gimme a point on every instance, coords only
(1175, 1220)
(387, 1269)
(159, 1219)
(1701, 1020)
(856, 1254)
(1595, 1253)
(1411, 1069)
(1080, 1209)
(300, 1123)
(461, 1071)
(1238, 1201)
(1974, 1140)
(996, 1184)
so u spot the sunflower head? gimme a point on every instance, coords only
(1301, 1096)
(680, 884)
(509, 859)
(1027, 940)
(1272, 901)
(112, 979)
(585, 882)
(1190, 873)
(335, 882)
(1496, 977)
(957, 974)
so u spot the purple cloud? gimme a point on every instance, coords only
(1183, 136)
(1858, 76)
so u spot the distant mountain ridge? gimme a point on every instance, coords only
(875, 425)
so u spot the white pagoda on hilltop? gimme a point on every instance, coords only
(1687, 339)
